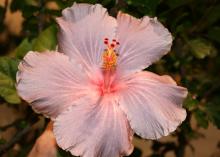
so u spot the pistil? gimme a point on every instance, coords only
(109, 64)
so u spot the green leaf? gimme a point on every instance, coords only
(2, 11)
(213, 110)
(146, 7)
(2, 16)
(214, 34)
(190, 103)
(151, 6)
(22, 49)
(17, 5)
(25, 6)
(106, 2)
(29, 11)
(213, 15)
(60, 4)
(23, 124)
(202, 48)
(176, 3)
(2, 141)
(32, 2)
(46, 40)
(8, 69)
(201, 118)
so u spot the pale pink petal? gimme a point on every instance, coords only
(153, 104)
(163, 79)
(50, 82)
(142, 42)
(77, 12)
(83, 40)
(94, 129)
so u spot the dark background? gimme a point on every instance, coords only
(194, 62)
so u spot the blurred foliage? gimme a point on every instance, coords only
(194, 60)
(8, 69)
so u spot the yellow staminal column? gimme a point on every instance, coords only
(109, 59)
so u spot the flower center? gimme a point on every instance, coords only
(109, 56)
(109, 62)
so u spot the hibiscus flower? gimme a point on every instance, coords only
(94, 88)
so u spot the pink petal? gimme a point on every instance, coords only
(142, 42)
(94, 128)
(153, 104)
(83, 40)
(163, 79)
(77, 12)
(50, 82)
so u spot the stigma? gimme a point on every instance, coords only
(109, 56)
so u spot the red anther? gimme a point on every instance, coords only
(112, 45)
(114, 40)
(117, 43)
(106, 42)
(106, 39)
